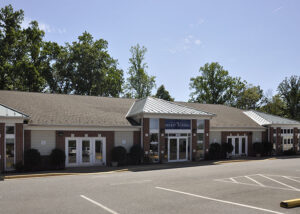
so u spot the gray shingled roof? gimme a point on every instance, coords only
(57, 109)
(268, 119)
(226, 117)
(151, 105)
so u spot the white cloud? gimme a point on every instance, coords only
(197, 42)
(199, 22)
(43, 26)
(277, 9)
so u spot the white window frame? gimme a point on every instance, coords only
(240, 144)
(9, 136)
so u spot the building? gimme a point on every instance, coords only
(88, 127)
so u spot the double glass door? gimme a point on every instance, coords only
(178, 149)
(240, 145)
(85, 151)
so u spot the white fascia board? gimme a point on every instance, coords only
(80, 128)
(12, 119)
(177, 116)
(233, 129)
(285, 125)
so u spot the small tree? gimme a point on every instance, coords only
(162, 93)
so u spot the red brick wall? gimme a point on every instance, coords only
(19, 142)
(146, 135)
(224, 136)
(137, 137)
(27, 139)
(162, 139)
(194, 139)
(206, 135)
(110, 141)
(271, 134)
(264, 136)
(2, 126)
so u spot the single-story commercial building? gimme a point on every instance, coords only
(88, 127)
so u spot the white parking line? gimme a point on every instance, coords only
(255, 181)
(234, 181)
(279, 182)
(218, 200)
(98, 204)
(292, 179)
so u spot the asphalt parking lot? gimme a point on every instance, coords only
(245, 187)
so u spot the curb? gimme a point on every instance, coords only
(237, 161)
(61, 174)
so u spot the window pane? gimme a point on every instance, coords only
(86, 151)
(10, 130)
(243, 145)
(236, 147)
(98, 150)
(154, 123)
(10, 153)
(200, 124)
(154, 137)
(72, 151)
(200, 137)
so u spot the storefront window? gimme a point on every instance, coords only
(154, 150)
(10, 147)
(154, 124)
(200, 124)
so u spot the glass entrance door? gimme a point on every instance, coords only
(173, 149)
(178, 149)
(239, 145)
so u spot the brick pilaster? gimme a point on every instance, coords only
(162, 148)
(206, 136)
(19, 142)
(296, 131)
(146, 135)
(2, 126)
(194, 139)
(278, 140)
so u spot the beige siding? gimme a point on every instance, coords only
(214, 137)
(256, 138)
(43, 141)
(124, 139)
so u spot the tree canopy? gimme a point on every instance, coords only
(139, 83)
(162, 93)
(215, 86)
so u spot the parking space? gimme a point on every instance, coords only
(248, 187)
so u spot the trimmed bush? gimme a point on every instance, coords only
(267, 148)
(214, 151)
(289, 152)
(19, 166)
(118, 154)
(57, 159)
(226, 148)
(32, 159)
(257, 148)
(136, 154)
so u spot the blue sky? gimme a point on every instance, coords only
(256, 40)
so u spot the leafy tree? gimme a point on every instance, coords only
(249, 97)
(85, 67)
(162, 93)
(20, 61)
(139, 83)
(215, 86)
(274, 106)
(289, 90)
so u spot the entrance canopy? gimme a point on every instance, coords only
(157, 108)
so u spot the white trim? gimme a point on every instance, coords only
(234, 129)
(177, 116)
(9, 136)
(178, 131)
(11, 119)
(79, 151)
(80, 128)
(240, 144)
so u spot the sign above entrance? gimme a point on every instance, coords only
(177, 124)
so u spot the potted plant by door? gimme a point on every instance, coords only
(118, 156)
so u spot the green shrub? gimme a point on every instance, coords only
(57, 159)
(136, 154)
(267, 148)
(119, 155)
(32, 159)
(257, 148)
(226, 148)
(215, 151)
(19, 166)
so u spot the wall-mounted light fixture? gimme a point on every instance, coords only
(60, 133)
